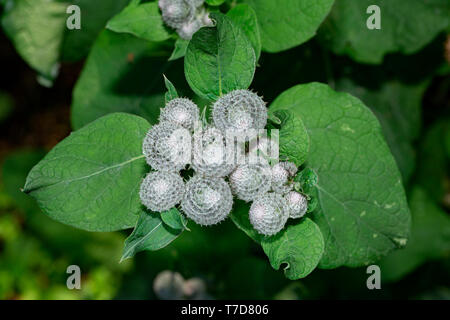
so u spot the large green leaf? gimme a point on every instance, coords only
(288, 23)
(244, 17)
(430, 238)
(405, 27)
(299, 245)
(399, 110)
(39, 32)
(362, 210)
(142, 20)
(150, 233)
(36, 28)
(84, 247)
(219, 59)
(91, 179)
(122, 74)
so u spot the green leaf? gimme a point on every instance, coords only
(150, 233)
(91, 179)
(174, 219)
(362, 210)
(219, 59)
(399, 110)
(171, 91)
(39, 32)
(299, 245)
(294, 139)
(404, 28)
(36, 28)
(430, 238)
(180, 49)
(122, 74)
(94, 16)
(286, 24)
(244, 17)
(142, 20)
(306, 183)
(214, 2)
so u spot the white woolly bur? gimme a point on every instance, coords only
(161, 191)
(186, 16)
(297, 203)
(249, 181)
(207, 201)
(269, 213)
(290, 167)
(187, 30)
(240, 110)
(210, 153)
(280, 179)
(177, 12)
(167, 147)
(180, 111)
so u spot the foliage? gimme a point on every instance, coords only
(349, 105)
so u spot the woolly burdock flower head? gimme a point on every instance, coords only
(186, 16)
(297, 203)
(240, 110)
(182, 112)
(211, 157)
(177, 12)
(161, 191)
(167, 147)
(290, 167)
(207, 201)
(187, 30)
(268, 213)
(280, 179)
(249, 181)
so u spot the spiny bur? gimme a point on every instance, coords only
(167, 147)
(268, 213)
(161, 191)
(239, 110)
(297, 203)
(207, 201)
(249, 181)
(180, 111)
(210, 153)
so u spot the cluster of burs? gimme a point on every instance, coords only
(207, 196)
(185, 16)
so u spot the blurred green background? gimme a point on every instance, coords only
(221, 262)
